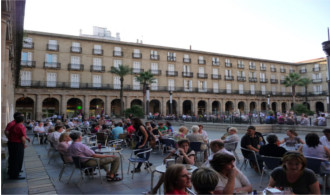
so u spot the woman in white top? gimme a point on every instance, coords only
(231, 180)
(313, 147)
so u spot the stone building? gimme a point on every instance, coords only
(68, 75)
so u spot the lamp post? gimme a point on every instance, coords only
(326, 49)
(268, 103)
(171, 92)
(148, 98)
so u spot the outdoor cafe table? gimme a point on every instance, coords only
(114, 151)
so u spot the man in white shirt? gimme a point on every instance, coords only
(217, 146)
(56, 135)
(325, 140)
(41, 131)
(201, 131)
(232, 138)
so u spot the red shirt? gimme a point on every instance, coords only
(16, 133)
(10, 125)
(175, 191)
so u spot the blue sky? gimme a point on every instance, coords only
(283, 30)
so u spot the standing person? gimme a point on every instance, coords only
(176, 180)
(202, 132)
(17, 139)
(142, 140)
(325, 139)
(321, 120)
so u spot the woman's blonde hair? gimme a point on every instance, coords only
(182, 128)
(171, 177)
(63, 135)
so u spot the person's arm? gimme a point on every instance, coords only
(189, 159)
(229, 188)
(169, 155)
(102, 156)
(300, 149)
(250, 147)
(281, 142)
(301, 141)
(315, 188)
(272, 182)
(326, 151)
(246, 185)
(23, 141)
(145, 136)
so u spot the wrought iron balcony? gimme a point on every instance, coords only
(317, 80)
(252, 67)
(282, 70)
(171, 58)
(316, 69)
(201, 61)
(155, 72)
(229, 78)
(273, 80)
(53, 65)
(263, 68)
(263, 80)
(31, 64)
(253, 79)
(28, 45)
(75, 49)
(272, 69)
(52, 47)
(154, 57)
(137, 70)
(216, 76)
(241, 66)
(188, 74)
(303, 70)
(137, 55)
(118, 53)
(187, 60)
(79, 67)
(172, 73)
(215, 63)
(241, 78)
(95, 68)
(202, 75)
(98, 52)
(228, 64)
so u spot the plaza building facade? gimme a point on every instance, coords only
(70, 75)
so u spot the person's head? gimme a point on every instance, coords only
(216, 145)
(59, 128)
(194, 129)
(327, 133)
(291, 133)
(65, 137)
(116, 124)
(232, 130)
(160, 124)
(200, 127)
(41, 124)
(147, 124)
(272, 139)
(312, 140)
(228, 129)
(19, 119)
(168, 124)
(184, 144)
(251, 130)
(293, 161)
(16, 114)
(136, 122)
(75, 135)
(183, 129)
(204, 180)
(222, 163)
(176, 177)
(51, 130)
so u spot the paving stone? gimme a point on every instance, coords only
(39, 182)
(32, 176)
(40, 185)
(52, 192)
(36, 179)
(15, 185)
(41, 190)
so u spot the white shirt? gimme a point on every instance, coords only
(55, 138)
(39, 129)
(222, 151)
(325, 142)
(240, 181)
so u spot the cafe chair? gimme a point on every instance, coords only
(52, 151)
(139, 156)
(168, 143)
(36, 135)
(270, 163)
(65, 164)
(196, 146)
(83, 168)
(231, 147)
(123, 137)
(101, 138)
(315, 164)
(247, 160)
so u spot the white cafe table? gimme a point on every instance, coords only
(114, 151)
(162, 169)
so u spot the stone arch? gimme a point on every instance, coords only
(187, 107)
(216, 107)
(241, 106)
(74, 107)
(136, 102)
(274, 107)
(307, 105)
(319, 107)
(253, 107)
(283, 107)
(174, 107)
(96, 107)
(25, 105)
(201, 107)
(50, 106)
(263, 106)
(115, 107)
(229, 107)
(154, 106)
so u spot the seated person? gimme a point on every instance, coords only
(270, 119)
(217, 147)
(204, 180)
(117, 130)
(281, 119)
(162, 128)
(54, 138)
(231, 180)
(313, 147)
(183, 155)
(292, 138)
(271, 149)
(183, 131)
(231, 138)
(294, 173)
(325, 139)
(64, 145)
(81, 150)
(226, 134)
(41, 131)
(176, 180)
(196, 137)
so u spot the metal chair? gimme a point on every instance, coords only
(168, 142)
(315, 164)
(83, 168)
(139, 156)
(231, 147)
(52, 150)
(36, 135)
(65, 164)
(270, 163)
(247, 160)
(196, 146)
(101, 138)
(123, 137)
(118, 143)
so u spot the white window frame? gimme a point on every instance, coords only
(75, 80)
(26, 78)
(97, 81)
(116, 82)
(171, 85)
(51, 79)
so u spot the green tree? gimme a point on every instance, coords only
(135, 110)
(293, 80)
(121, 71)
(305, 82)
(145, 78)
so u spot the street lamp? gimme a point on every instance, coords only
(148, 98)
(171, 92)
(326, 49)
(268, 103)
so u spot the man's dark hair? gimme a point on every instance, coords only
(58, 127)
(252, 127)
(326, 130)
(16, 114)
(272, 139)
(19, 119)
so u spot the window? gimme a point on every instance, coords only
(215, 71)
(51, 79)
(201, 70)
(186, 58)
(316, 67)
(171, 85)
(262, 77)
(97, 49)
(215, 87)
(283, 89)
(241, 89)
(75, 80)
(154, 55)
(171, 56)
(26, 59)
(240, 73)
(137, 53)
(215, 61)
(274, 90)
(27, 42)
(154, 86)
(75, 47)
(228, 88)
(171, 70)
(97, 64)
(202, 86)
(201, 60)
(154, 68)
(51, 60)
(273, 77)
(116, 63)
(75, 62)
(240, 64)
(116, 82)
(253, 75)
(262, 66)
(117, 51)
(52, 45)
(263, 89)
(187, 84)
(228, 73)
(136, 67)
(186, 68)
(227, 62)
(252, 89)
(97, 81)
(26, 78)
(317, 89)
(136, 84)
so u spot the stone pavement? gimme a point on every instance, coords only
(42, 178)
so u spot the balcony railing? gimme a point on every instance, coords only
(228, 64)
(171, 73)
(171, 58)
(263, 68)
(156, 72)
(154, 57)
(292, 71)
(53, 65)
(282, 81)
(187, 60)
(241, 78)
(95, 68)
(316, 69)
(79, 67)
(137, 70)
(31, 64)
(317, 80)
(75, 49)
(272, 69)
(282, 70)
(215, 63)
(118, 53)
(302, 71)
(229, 78)
(202, 75)
(201, 61)
(241, 66)
(263, 80)
(188, 74)
(52, 47)
(273, 80)
(216, 76)
(98, 52)
(137, 55)
(28, 45)
(252, 67)
(253, 79)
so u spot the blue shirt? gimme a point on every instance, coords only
(116, 131)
